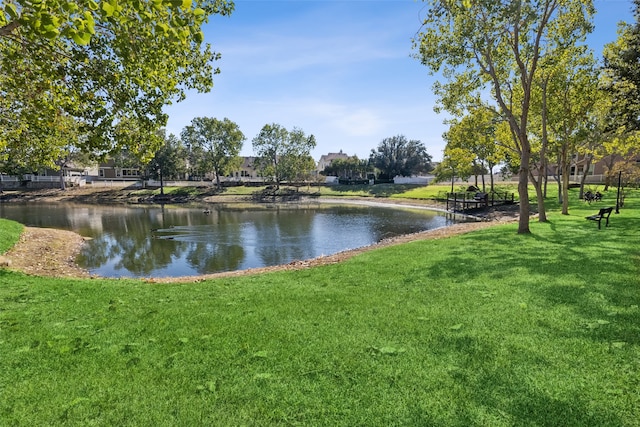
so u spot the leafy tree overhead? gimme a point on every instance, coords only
(398, 156)
(215, 145)
(494, 48)
(622, 74)
(109, 66)
(281, 154)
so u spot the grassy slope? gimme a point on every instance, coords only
(488, 328)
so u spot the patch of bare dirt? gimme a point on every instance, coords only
(47, 252)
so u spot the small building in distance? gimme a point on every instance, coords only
(246, 172)
(326, 159)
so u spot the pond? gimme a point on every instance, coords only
(176, 240)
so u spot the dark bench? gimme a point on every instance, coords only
(602, 213)
(481, 198)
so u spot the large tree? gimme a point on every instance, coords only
(214, 144)
(101, 64)
(476, 134)
(169, 162)
(351, 167)
(622, 74)
(572, 94)
(281, 154)
(398, 156)
(493, 48)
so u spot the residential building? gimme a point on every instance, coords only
(326, 159)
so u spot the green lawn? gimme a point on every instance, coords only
(490, 328)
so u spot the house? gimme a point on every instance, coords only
(110, 170)
(596, 174)
(326, 159)
(246, 172)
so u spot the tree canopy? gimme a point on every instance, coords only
(622, 74)
(96, 75)
(169, 162)
(493, 49)
(214, 145)
(351, 168)
(281, 154)
(398, 156)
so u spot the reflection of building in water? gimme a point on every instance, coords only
(86, 217)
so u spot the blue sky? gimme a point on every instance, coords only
(341, 70)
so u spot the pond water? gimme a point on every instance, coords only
(176, 240)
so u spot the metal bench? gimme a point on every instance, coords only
(602, 213)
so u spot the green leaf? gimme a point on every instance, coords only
(186, 4)
(108, 9)
(92, 5)
(456, 327)
(90, 23)
(51, 34)
(10, 9)
(161, 27)
(82, 38)
(70, 7)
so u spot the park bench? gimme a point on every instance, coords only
(602, 213)
(481, 198)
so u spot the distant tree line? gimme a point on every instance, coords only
(212, 146)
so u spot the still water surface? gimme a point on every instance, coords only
(173, 241)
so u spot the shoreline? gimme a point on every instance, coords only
(52, 252)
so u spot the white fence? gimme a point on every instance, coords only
(421, 180)
(73, 180)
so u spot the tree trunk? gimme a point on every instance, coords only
(542, 171)
(523, 190)
(585, 173)
(566, 167)
(491, 182)
(538, 185)
(546, 179)
(62, 183)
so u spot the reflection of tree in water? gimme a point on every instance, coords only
(389, 223)
(213, 257)
(127, 238)
(220, 246)
(141, 241)
(142, 257)
(284, 235)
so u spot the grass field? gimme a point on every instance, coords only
(490, 328)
